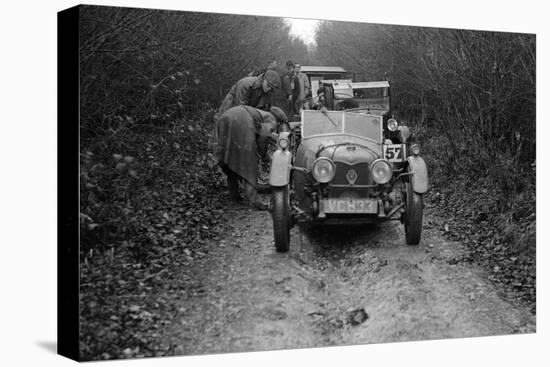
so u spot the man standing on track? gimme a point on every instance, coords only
(304, 87)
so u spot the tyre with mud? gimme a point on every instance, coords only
(413, 215)
(281, 218)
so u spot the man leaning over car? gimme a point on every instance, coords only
(254, 91)
(239, 142)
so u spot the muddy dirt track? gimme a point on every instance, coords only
(336, 286)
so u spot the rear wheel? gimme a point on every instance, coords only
(281, 218)
(413, 215)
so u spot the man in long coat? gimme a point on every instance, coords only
(291, 88)
(304, 87)
(239, 136)
(254, 91)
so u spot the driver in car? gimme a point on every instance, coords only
(320, 102)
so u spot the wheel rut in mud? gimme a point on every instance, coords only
(336, 286)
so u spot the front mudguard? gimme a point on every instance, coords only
(419, 176)
(279, 173)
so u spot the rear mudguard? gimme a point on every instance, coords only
(419, 177)
(279, 173)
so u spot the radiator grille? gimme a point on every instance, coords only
(361, 169)
(363, 178)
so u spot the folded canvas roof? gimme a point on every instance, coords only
(322, 69)
(360, 85)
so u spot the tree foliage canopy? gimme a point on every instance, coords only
(143, 65)
(481, 84)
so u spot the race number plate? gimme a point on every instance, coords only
(351, 206)
(394, 152)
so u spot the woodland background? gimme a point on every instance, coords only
(151, 80)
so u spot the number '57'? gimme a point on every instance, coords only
(394, 152)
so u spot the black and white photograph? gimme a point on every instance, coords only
(256, 181)
(252, 183)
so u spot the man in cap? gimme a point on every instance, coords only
(241, 135)
(304, 87)
(291, 87)
(254, 91)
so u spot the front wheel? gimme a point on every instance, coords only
(413, 215)
(281, 218)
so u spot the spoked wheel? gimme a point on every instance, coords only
(413, 215)
(281, 218)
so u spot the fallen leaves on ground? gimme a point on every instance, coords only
(498, 230)
(150, 226)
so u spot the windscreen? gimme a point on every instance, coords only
(367, 126)
(318, 122)
(343, 93)
(337, 122)
(372, 97)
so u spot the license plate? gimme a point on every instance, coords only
(394, 152)
(351, 206)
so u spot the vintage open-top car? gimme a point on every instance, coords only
(318, 75)
(347, 166)
(373, 97)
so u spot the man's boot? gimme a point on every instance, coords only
(253, 197)
(233, 186)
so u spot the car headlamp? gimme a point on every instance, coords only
(415, 149)
(392, 125)
(323, 170)
(283, 143)
(381, 171)
(404, 133)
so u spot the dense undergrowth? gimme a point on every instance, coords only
(150, 199)
(487, 198)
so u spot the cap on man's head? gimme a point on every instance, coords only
(273, 78)
(297, 65)
(279, 114)
(289, 63)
